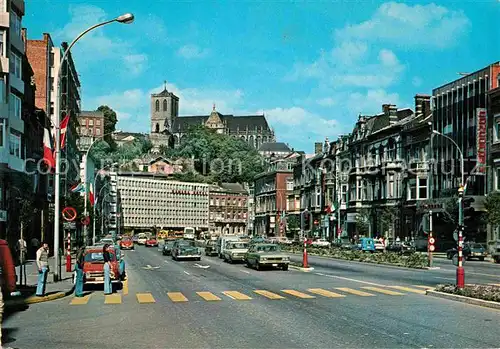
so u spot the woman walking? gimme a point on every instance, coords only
(79, 274)
(108, 288)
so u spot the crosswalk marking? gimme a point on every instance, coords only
(268, 294)
(237, 295)
(176, 297)
(408, 289)
(208, 296)
(80, 300)
(298, 294)
(381, 290)
(424, 287)
(145, 298)
(325, 293)
(356, 292)
(113, 298)
(125, 287)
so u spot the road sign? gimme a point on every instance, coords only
(85, 220)
(432, 248)
(432, 241)
(69, 214)
(69, 225)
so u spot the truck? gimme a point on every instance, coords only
(222, 243)
(189, 233)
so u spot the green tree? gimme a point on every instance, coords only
(110, 121)
(492, 205)
(292, 222)
(387, 217)
(362, 222)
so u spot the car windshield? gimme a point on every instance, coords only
(169, 243)
(235, 245)
(268, 248)
(97, 257)
(186, 243)
(476, 246)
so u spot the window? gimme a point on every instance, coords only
(98, 122)
(165, 105)
(422, 188)
(2, 40)
(498, 179)
(343, 194)
(91, 122)
(2, 132)
(15, 145)
(15, 23)
(97, 131)
(412, 189)
(318, 197)
(15, 106)
(496, 131)
(2, 90)
(391, 186)
(15, 65)
(157, 105)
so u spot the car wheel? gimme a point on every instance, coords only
(449, 255)
(198, 259)
(285, 267)
(481, 259)
(230, 260)
(248, 264)
(257, 266)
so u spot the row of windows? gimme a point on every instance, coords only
(89, 131)
(164, 212)
(224, 202)
(89, 122)
(133, 202)
(174, 222)
(164, 185)
(228, 215)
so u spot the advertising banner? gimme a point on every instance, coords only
(481, 140)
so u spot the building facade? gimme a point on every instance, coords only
(12, 86)
(271, 192)
(152, 201)
(493, 234)
(228, 209)
(168, 128)
(90, 127)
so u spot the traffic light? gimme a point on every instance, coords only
(468, 211)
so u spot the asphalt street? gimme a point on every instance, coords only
(169, 304)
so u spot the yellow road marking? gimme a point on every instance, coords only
(176, 297)
(381, 290)
(424, 287)
(408, 289)
(236, 295)
(208, 296)
(145, 298)
(325, 293)
(356, 292)
(80, 300)
(298, 294)
(113, 298)
(125, 287)
(268, 294)
(495, 285)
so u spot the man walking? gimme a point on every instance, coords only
(42, 261)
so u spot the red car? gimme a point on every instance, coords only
(93, 266)
(151, 242)
(127, 244)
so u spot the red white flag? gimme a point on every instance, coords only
(48, 155)
(64, 128)
(91, 194)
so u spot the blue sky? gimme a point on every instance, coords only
(310, 66)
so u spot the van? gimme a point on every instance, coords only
(222, 242)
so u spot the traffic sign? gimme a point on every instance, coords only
(432, 248)
(69, 214)
(85, 220)
(432, 241)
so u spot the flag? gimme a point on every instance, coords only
(91, 195)
(78, 188)
(63, 129)
(48, 155)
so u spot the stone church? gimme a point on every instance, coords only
(168, 128)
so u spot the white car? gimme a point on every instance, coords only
(321, 243)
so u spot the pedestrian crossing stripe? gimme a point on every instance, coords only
(145, 298)
(80, 300)
(176, 297)
(298, 294)
(381, 290)
(424, 287)
(268, 294)
(408, 289)
(208, 296)
(325, 293)
(355, 292)
(115, 298)
(237, 295)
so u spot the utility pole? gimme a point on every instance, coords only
(430, 237)
(460, 268)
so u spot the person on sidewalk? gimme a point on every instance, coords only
(7, 278)
(42, 262)
(108, 287)
(79, 273)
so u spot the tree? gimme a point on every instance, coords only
(110, 121)
(362, 222)
(387, 217)
(292, 222)
(492, 205)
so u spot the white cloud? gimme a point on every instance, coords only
(349, 53)
(192, 52)
(370, 102)
(407, 25)
(135, 64)
(326, 101)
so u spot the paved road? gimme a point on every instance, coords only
(213, 304)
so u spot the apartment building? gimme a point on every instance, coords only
(228, 209)
(90, 127)
(151, 200)
(12, 145)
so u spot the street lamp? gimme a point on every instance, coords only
(461, 193)
(126, 19)
(97, 198)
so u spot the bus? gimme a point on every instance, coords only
(189, 233)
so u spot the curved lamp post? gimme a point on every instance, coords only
(126, 18)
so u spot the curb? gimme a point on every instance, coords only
(35, 299)
(301, 268)
(463, 299)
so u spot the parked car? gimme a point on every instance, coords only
(185, 249)
(321, 243)
(222, 242)
(126, 243)
(266, 255)
(93, 266)
(142, 238)
(235, 251)
(167, 247)
(151, 242)
(135, 238)
(401, 247)
(210, 248)
(366, 244)
(470, 250)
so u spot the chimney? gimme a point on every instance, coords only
(393, 114)
(422, 104)
(318, 148)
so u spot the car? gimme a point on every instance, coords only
(151, 242)
(167, 247)
(470, 250)
(235, 251)
(185, 249)
(211, 248)
(93, 266)
(134, 239)
(141, 239)
(126, 243)
(321, 243)
(266, 255)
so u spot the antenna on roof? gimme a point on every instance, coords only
(165, 85)
(213, 106)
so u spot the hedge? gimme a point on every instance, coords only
(414, 260)
(484, 292)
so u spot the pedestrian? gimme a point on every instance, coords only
(108, 288)
(7, 278)
(42, 262)
(79, 273)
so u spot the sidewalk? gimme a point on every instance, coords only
(53, 290)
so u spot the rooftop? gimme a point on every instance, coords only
(277, 147)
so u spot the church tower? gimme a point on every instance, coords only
(164, 110)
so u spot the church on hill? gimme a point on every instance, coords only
(168, 128)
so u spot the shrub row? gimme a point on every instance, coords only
(484, 292)
(414, 260)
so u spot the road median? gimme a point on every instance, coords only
(482, 295)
